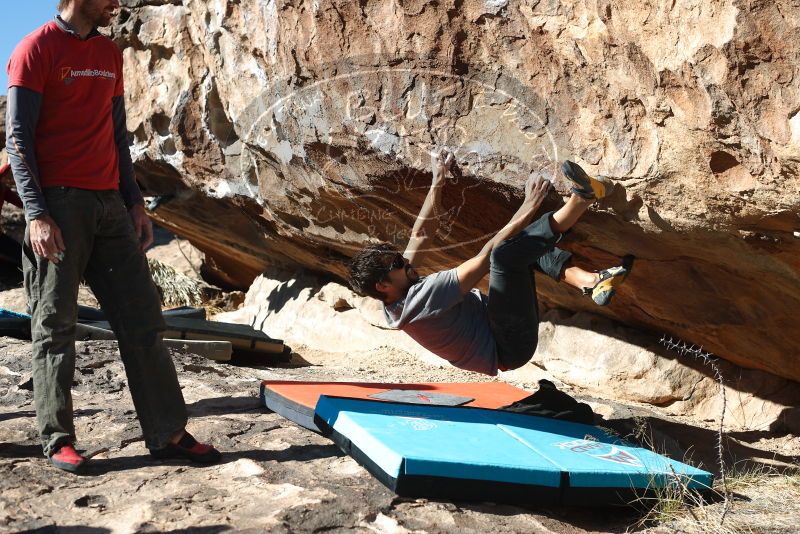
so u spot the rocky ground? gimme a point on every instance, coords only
(278, 476)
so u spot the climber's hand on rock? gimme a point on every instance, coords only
(536, 190)
(441, 161)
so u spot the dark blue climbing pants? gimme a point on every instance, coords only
(513, 306)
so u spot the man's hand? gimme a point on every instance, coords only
(441, 161)
(46, 239)
(536, 190)
(142, 225)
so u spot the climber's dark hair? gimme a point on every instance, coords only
(368, 268)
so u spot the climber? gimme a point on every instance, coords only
(444, 312)
(67, 143)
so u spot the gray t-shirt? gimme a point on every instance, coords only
(451, 325)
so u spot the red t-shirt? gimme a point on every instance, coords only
(75, 135)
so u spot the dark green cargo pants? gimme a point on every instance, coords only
(102, 247)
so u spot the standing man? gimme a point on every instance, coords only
(67, 142)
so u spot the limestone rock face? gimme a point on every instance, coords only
(294, 132)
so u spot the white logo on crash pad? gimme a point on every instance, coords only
(601, 451)
(417, 424)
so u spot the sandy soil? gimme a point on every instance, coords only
(275, 475)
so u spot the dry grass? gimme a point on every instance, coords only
(763, 500)
(176, 289)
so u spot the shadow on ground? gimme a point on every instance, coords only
(294, 453)
(698, 446)
(223, 405)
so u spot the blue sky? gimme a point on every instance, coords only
(18, 18)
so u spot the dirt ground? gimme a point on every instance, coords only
(275, 475)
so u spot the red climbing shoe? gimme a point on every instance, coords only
(190, 449)
(68, 459)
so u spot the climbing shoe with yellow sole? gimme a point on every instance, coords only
(585, 186)
(610, 279)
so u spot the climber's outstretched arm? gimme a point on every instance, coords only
(427, 221)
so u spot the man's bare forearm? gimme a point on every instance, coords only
(516, 224)
(472, 271)
(476, 268)
(426, 225)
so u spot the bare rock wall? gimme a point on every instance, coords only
(294, 132)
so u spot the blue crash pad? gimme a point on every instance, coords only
(13, 324)
(474, 453)
(8, 314)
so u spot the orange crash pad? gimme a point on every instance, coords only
(296, 400)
